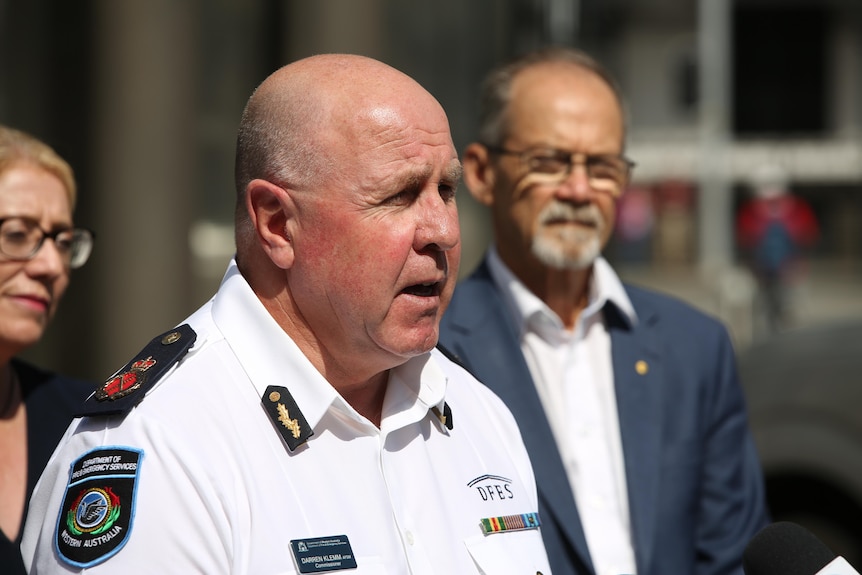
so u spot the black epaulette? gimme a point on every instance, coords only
(286, 416)
(127, 387)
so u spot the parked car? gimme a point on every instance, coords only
(805, 402)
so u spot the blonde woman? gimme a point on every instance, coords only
(39, 247)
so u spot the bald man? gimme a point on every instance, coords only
(302, 420)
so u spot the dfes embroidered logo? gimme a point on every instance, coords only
(98, 506)
(94, 511)
(492, 487)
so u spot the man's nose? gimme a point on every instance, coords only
(438, 224)
(576, 186)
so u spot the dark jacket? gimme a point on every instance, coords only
(51, 400)
(695, 486)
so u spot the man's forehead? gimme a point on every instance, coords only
(382, 116)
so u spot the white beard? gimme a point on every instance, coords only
(565, 246)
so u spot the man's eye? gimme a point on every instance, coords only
(447, 191)
(401, 198)
(604, 169)
(548, 164)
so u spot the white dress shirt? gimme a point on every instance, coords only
(218, 491)
(573, 374)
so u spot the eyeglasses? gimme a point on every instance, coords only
(606, 173)
(21, 239)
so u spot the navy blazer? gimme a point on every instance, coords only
(695, 486)
(51, 401)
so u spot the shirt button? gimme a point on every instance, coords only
(408, 535)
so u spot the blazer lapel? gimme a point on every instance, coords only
(486, 335)
(637, 378)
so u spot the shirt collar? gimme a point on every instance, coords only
(270, 357)
(267, 354)
(415, 387)
(528, 310)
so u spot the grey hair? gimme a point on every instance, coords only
(274, 143)
(495, 91)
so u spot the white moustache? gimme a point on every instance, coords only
(562, 211)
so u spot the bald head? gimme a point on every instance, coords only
(293, 118)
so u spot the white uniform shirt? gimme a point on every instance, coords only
(573, 374)
(219, 492)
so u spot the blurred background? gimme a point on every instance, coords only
(730, 102)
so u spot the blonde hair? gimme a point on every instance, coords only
(17, 147)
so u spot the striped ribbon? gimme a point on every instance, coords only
(511, 522)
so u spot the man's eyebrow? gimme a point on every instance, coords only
(453, 172)
(415, 180)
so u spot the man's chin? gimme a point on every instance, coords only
(556, 256)
(414, 344)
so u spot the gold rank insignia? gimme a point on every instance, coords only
(286, 416)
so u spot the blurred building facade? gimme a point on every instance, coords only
(144, 99)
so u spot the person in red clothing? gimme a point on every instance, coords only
(774, 228)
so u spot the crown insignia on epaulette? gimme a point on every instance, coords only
(125, 383)
(131, 383)
(144, 364)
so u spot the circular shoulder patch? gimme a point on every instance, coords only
(96, 516)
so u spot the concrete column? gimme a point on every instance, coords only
(715, 201)
(355, 26)
(144, 171)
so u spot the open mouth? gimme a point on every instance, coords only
(428, 289)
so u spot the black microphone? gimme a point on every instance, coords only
(785, 548)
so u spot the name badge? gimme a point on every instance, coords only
(321, 554)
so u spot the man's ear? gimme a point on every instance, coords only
(478, 173)
(271, 209)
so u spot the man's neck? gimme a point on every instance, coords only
(366, 398)
(565, 291)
